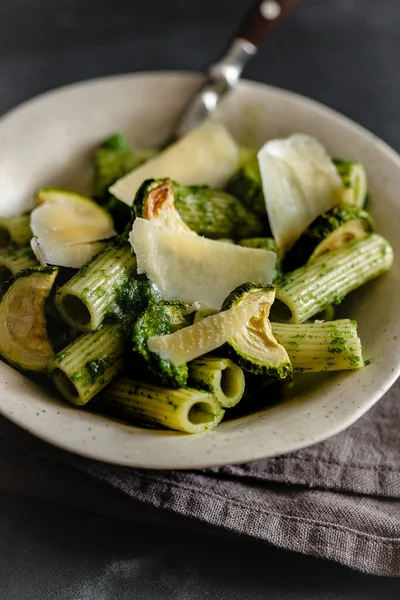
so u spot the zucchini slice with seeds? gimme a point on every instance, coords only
(354, 180)
(24, 341)
(335, 228)
(254, 348)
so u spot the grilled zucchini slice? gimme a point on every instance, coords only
(333, 229)
(254, 348)
(24, 341)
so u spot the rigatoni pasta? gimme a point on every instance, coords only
(219, 376)
(85, 300)
(153, 325)
(329, 278)
(321, 346)
(183, 409)
(89, 363)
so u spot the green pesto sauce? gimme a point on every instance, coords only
(111, 164)
(216, 214)
(335, 350)
(159, 319)
(171, 403)
(339, 345)
(132, 297)
(246, 185)
(60, 356)
(76, 376)
(96, 367)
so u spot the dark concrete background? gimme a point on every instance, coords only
(345, 53)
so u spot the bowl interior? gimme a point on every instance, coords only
(50, 141)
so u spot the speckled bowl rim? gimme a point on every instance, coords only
(294, 424)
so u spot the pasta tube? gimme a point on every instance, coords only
(313, 347)
(329, 278)
(184, 409)
(88, 364)
(219, 376)
(85, 300)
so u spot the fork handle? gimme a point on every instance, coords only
(224, 74)
(263, 18)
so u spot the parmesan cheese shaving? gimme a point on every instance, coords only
(300, 182)
(194, 269)
(67, 223)
(208, 155)
(65, 256)
(68, 228)
(203, 337)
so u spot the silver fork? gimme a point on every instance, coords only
(223, 76)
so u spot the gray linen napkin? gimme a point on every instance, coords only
(337, 500)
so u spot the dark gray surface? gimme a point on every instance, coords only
(55, 553)
(342, 52)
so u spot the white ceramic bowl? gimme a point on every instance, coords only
(50, 139)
